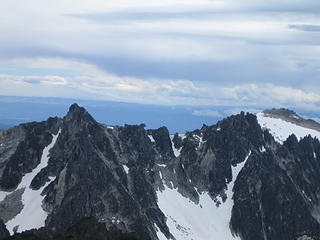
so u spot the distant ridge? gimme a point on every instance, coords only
(291, 116)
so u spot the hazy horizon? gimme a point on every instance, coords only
(16, 110)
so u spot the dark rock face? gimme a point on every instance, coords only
(89, 228)
(113, 173)
(3, 230)
(85, 229)
(163, 142)
(276, 194)
(11, 205)
(208, 154)
(27, 152)
(177, 141)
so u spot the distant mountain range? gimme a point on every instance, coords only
(247, 177)
(17, 110)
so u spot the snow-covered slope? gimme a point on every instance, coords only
(281, 129)
(32, 214)
(189, 221)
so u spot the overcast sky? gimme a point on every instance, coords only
(167, 52)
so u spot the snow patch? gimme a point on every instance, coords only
(176, 151)
(262, 149)
(151, 138)
(115, 220)
(212, 221)
(3, 195)
(281, 129)
(304, 237)
(126, 169)
(197, 137)
(32, 215)
(314, 155)
(183, 136)
(200, 140)
(161, 165)
(305, 196)
(160, 235)
(110, 127)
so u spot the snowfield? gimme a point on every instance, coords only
(189, 221)
(281, 129)
(32, 215)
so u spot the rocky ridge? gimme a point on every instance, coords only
(116, 173)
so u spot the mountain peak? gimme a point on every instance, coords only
(75, 108)
(77, 113)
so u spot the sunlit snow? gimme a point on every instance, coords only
(151, 138)
(32, 215)
(199, 139)
(126, 169)
(161, 165)
(262, 149)
(281, 129)
(187, 220)
(160, 235)
(182, 135)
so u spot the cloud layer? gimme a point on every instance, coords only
(170, 52)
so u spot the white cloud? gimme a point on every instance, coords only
(91, 82)
(46, 80)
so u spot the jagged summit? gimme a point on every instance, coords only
(75, 107)
(79, 114)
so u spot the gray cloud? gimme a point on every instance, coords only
(209, 11)
(305, 27)
(31, 80)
